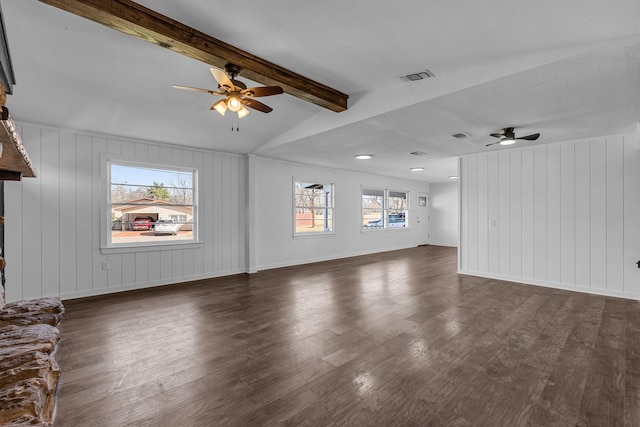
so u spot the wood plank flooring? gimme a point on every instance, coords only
(391, 339)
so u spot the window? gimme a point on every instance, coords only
(313, 208)
(141, 196)
(372, 208)
(383, 209)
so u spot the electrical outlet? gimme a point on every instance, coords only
(105, 265)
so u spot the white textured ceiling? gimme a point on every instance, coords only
(569, 70)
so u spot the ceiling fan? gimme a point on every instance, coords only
(508, 137)
(237, 95)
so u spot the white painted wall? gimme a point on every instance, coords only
(52, 229)
(275, 244)
(443, 214)
(563, 215)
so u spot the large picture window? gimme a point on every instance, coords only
(313, 208)
(382, 209)
(151, 205)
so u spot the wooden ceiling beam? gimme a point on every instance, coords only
(138, 21)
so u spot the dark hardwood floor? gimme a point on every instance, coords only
(392, 339)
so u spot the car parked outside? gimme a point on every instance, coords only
(395, 220)
(142, 223)
(166, 226)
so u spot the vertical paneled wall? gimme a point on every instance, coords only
(563, 215)
(53, 222)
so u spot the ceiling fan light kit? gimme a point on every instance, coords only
(220, 107)
(507, 141)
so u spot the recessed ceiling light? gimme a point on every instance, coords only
(416, 169)
(363, 156)
(453, 177)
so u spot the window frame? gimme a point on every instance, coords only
(106, 244)
(331, 209)
(385, 209)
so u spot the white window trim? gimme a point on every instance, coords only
(106, 247)
(312, 234)
(385, 210)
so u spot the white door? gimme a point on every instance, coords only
(422, 218)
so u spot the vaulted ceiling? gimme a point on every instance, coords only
(569, 70)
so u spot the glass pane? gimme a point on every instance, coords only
(151, 223)
(372, 218)
(130, 183)
(313, 220)
(397, 219)
(372, 208)
(313, 195)
(150, 205)
(397, 203)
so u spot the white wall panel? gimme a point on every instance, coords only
(481, 201)
(84, 215)
(473, 186)
(463, 247)
(575, 206)
(493, 188)
(598, 210)
(583, 213)
(615, 213)
(68, 214)
(50, 179)
(554, 261)
(515, 213)
(504, 212)
(631, 214)
(567, 215)
(527, 215)
(540, 213)
(31, 213)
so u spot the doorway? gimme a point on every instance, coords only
(422, 219)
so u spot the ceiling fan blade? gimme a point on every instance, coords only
(493, 143)
(196, 89)
(497, 135)
(221, 77)
(531, 137)
(257, 105)
(263, 91)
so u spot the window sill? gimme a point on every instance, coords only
(314, 235)
(381, 230)
(142, 247)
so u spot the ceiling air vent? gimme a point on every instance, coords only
(418, 153)
(417, 76)
(460, 135)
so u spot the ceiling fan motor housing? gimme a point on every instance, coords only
(232, 71)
